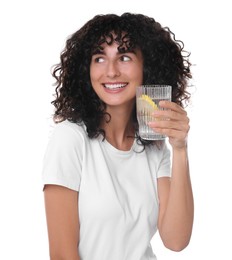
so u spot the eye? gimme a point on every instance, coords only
(125, 58)
(99, 59)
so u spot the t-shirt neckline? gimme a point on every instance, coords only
(112, 148)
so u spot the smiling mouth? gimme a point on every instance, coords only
(115, 86)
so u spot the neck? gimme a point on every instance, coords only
(120, 130)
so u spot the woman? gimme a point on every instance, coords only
(107, 190)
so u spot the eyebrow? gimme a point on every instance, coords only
(98, 51)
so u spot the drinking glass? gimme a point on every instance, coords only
(147, 101)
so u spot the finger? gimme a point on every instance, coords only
(172, 105)
(168, 124)
(172, 133)
(170, 114)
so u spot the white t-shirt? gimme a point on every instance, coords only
(118, 202)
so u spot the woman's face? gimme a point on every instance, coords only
(114, 76)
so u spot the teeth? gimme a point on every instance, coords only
(114, 86)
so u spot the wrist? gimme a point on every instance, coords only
(180, 149)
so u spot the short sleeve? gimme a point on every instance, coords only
(62, 164)
(164, 169)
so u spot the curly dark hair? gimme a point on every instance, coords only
(165, 62)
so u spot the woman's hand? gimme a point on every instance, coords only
(175, 124)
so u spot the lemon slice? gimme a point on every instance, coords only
(146, 103)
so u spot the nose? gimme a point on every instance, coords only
(112, 70)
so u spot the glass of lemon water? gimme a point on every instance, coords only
(147, 101)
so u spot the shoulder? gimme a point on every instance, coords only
(62, 162)
(67, 135)
(67, 130)
(67, 126)
(159, 157)
(158, 149)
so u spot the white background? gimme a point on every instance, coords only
(31, 37)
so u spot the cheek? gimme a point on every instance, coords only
(91, 73)
(138, 74)
(94, 78)
(96, 72)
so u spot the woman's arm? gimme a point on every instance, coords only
(175, 195)
(176, 204)
(61, 205)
